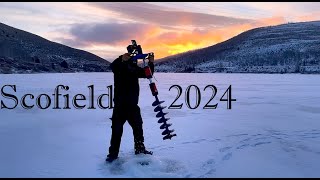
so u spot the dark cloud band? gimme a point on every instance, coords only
(144, 12)
(107, 33)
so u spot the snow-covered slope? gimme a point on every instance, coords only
(23, 52)
(286, 48)
(272, 130)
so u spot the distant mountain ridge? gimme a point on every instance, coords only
(286, 48)
(23, 52)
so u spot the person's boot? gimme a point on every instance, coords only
(140, 148)
(144, 152)
(110, 158)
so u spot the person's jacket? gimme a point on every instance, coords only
(126, 81)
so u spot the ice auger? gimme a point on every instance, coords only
(136, 53)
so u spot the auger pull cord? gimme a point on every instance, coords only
(136, 53)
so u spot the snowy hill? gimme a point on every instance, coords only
(23, 52)
(286, 48)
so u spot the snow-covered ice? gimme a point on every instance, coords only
(272, 130)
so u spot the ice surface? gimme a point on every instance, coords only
(272, 130)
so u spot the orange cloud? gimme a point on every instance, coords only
(170, 43)
(275, 20)
(309, 17)
(174, 42)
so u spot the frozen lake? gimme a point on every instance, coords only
(272, 130)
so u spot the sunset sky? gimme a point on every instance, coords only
(106, 28)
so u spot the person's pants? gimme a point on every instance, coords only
(119, 117)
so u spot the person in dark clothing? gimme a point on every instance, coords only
(126, 98)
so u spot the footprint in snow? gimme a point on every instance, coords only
(260, 143)
(243, 146)
(227, 156)
(224, 149)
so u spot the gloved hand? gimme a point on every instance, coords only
(151, 57)
(125, 57)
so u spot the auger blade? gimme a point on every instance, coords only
(162, 120)
(167, 131)
(156, 103)
(161, 114)
(169, 136)
(165, 126)
(159, 108)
